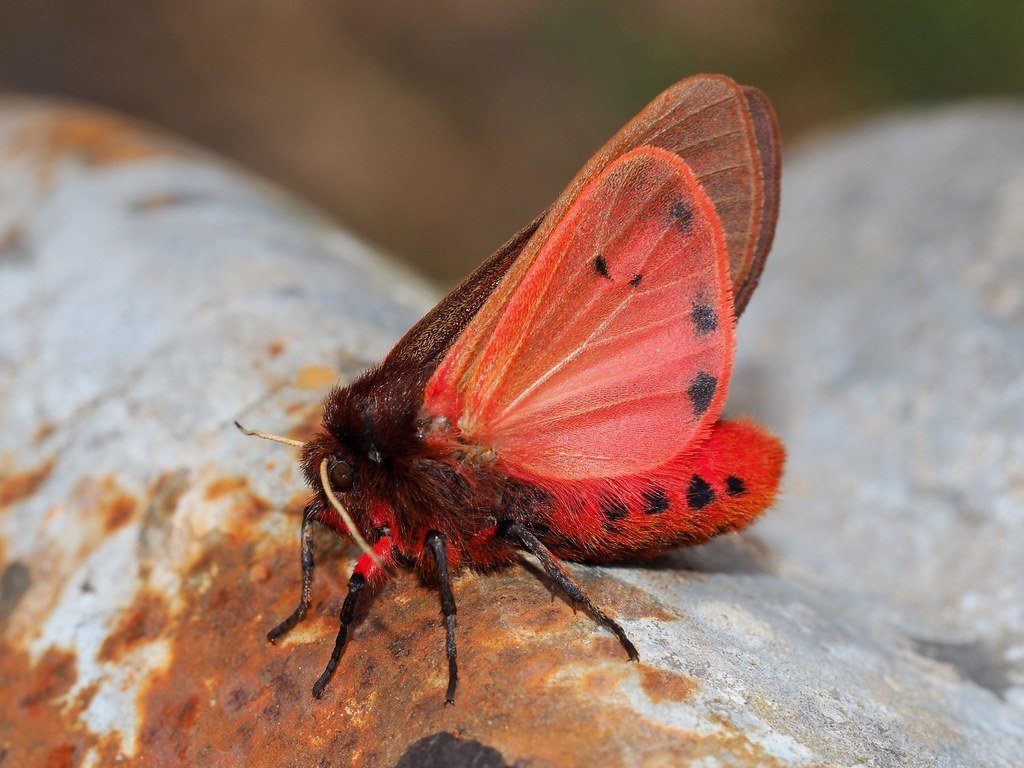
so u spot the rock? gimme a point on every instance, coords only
(150, 295)
(888, 347)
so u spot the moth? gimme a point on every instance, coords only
(565, 399)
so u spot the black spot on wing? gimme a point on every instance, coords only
(683, 215)
(699, 493)
(704, 319)
(702, 391)
(636, 280)
(601, 267)
(734, 486)
(655, 501)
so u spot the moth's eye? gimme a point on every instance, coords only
(341, 474)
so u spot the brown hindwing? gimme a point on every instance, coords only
(766, 131)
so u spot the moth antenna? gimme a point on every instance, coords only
(359, 540)
(268, 436)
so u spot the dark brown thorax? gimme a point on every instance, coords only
(406, 479)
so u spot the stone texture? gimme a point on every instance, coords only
(888, 347)
(149, 296)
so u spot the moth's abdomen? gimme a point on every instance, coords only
(731, 479)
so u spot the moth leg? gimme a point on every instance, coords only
(557, 572)
(306, 555)
(367, 571)
(436, 544)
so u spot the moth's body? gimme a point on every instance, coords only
(565, 399)
(425, 476)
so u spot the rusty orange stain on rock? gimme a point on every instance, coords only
(39, 725)
(117, 509)
(252, 507)
(316, 377)
(248, 505)
(16, 486)
(53, 676)
(96, 139)
(36, 728)
(106, 502)
(661, 685)
(259, 573)
(275, 348)
(530, 668)
(520, 653)
(144, 621)
(224, 486)
(296, 503)
(62, 756)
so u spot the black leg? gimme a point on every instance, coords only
(355, 586)
(306, 538)
(519, 534)
(436, 544)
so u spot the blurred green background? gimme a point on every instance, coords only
(438, 129)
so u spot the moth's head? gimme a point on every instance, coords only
(330, 470)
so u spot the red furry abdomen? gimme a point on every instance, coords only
(731, 478)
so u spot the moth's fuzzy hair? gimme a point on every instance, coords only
(408, 484)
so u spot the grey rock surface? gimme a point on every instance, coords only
(150, 295)
(887, 345)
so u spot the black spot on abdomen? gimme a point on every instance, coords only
(655, 501)
(601, 267)
(702, 391)
(636, 280)
(613, 509)
(704, 319)
(683, 215)
(699, 493)
(734, 486)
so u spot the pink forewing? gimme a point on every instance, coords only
(613, 354)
